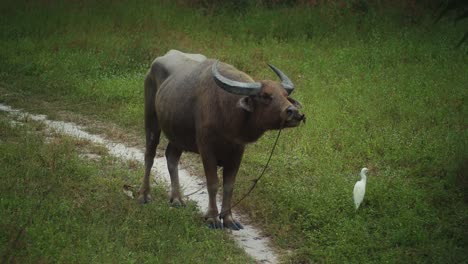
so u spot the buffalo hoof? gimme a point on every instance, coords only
(144, 198)
(232, 224)
(214, 223)
(176, 202)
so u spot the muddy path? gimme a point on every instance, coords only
(250, 238)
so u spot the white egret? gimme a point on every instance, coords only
(360, 188)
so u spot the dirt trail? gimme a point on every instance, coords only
(250, 238)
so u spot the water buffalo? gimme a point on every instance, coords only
(213, 109)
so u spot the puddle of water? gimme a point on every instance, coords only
(250, 238)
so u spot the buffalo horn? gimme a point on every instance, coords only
(234, 87)
(285, 81)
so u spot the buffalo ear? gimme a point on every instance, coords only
(246, 103)
(295, 103)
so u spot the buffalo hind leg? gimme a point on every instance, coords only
(173, 156)
(153, 132)
(152, 140)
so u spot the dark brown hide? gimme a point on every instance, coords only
(183, 100)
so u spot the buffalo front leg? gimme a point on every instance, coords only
(210, 167)
(173, 156)
(230, 170)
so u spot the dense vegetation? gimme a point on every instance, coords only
(382, 88)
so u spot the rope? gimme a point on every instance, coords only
(255, 181)
(192, 193)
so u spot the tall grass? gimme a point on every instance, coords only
(381, 89)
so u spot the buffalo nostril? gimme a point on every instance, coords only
(290, 112)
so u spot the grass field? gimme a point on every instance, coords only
(57, 207)
(381, 89)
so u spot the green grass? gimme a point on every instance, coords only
(383, 90)
(70, 210)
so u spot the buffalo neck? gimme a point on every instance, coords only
(245, 128)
